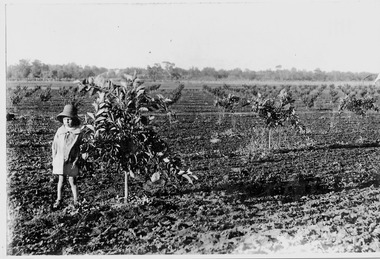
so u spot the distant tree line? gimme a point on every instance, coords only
(36, 70)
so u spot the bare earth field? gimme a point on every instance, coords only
(315, 192)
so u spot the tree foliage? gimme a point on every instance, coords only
(21, 93)
(278, 111)
(275, 112)
(120, 131)
(359, 106)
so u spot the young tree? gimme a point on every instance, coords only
(17, 95)
(120, 132)
(45, 95)
(359, 106)
(275, 112)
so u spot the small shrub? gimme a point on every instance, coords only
(358, 106)
(120, 133)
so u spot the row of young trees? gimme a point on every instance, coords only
(279, 110)
(36, 70)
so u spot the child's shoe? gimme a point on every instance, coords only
(57, 204)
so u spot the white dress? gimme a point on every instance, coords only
(65, 151)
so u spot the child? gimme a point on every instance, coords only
(66, 151)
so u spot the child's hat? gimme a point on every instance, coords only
(68, 111)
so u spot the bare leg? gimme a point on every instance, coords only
(59, 187)
(73, 184)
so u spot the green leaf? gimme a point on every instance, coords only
(100, 112)
(100, 130)
(140, 88)
(101, 118)
(140, 92)
(100, 99)
(91, 115)
(90, 127)
(102, 104)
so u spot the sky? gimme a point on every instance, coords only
(256, 35)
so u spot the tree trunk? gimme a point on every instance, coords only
(125, 187)
(269, 138)
(233, 122)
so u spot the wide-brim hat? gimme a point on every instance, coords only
(69, 111)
